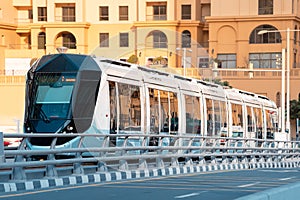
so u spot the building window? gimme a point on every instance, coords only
(104, 39)
(68, 14)
(103, 13)
(265, 60)
(203, 62)
(186, 39)
(124, 40)
(42, 13)
(265, 7)
(266, 38)
(30, 14)
(226, 60)
(42, 40)
(123, 13)
(69, 40)
(185, 12)
(159, 40)
(160, 12)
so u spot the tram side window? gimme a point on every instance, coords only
(163, 111)
(154, 111)
(164, 100)
(270, 124)
(237, 120)
(223, 120)
(113, 107)
(193, 114)
(174, 112)
(209, 116)
(250, 119)
(130, 107)
(258, 122)
(217, 117)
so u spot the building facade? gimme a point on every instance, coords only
(182, 36)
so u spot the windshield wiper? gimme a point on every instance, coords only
(42, 114)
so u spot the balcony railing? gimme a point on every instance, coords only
(12, 80)
(19, 46)
(23, 20)
(65, 18)
(156, 17)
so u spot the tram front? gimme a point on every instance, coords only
(61, 93)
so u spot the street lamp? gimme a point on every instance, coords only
(288, 30)
(184, 58)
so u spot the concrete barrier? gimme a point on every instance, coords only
(288, 192)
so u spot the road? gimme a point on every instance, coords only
(214, 185)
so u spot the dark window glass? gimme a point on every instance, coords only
(103, 13)
(186, 12)
(42, 13)
(104, 39)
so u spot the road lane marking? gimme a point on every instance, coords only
(248, 185)
(285, 179)
(188, 195)
(279, 171)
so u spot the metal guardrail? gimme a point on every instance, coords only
(168, 151)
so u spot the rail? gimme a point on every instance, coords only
(123, 152)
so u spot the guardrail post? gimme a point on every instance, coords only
(2, 156)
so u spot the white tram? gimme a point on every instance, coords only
(69, 93)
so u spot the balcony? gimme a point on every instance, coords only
(156, 17)
(65, 18)
(23, 21)
(22, 3)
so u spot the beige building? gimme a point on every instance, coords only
(158, 33)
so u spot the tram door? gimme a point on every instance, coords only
(163, 115)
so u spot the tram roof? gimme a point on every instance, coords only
(66, 63)
(249, 97)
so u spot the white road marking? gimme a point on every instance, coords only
(248, 185)
(284, 179)
(188, 195)
(279, 171)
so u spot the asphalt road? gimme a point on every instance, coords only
(214, 185)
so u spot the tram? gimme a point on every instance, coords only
(73, 93)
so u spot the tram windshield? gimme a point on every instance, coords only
(53, 96)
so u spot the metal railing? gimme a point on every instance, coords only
(123, 152)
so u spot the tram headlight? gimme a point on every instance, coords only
(70, 128)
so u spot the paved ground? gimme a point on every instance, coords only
(209, 185)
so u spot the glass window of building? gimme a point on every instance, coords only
(69, 40)
(265, 7)
(103, 13)
(186, 39)
(123, 13)
(42, 40)
(30, 14)
(185, 12)
(42, 13)
(226, 60)
(68, 14)
(160, 12)
(104, 39)
(203, 62)
(265, 60)
(266, 38)
(159, 40)
(124, 40)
